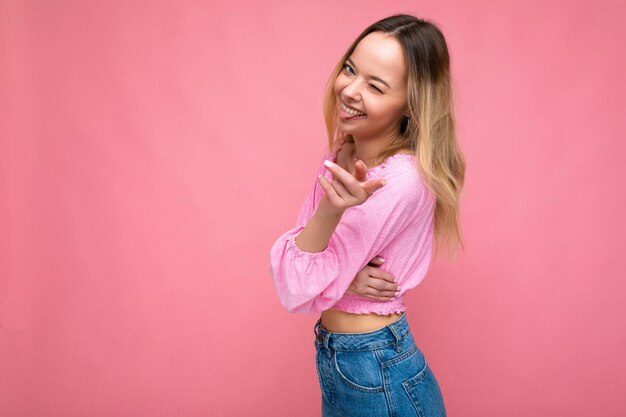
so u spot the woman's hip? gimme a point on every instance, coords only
(378, 373)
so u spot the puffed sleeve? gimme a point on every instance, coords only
(311, 282)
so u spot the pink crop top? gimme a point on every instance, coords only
(396, 222)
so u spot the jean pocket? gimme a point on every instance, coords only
(425, 393)
(359, 370)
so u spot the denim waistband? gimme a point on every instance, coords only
(391, 333)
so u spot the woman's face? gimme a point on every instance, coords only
(372, 82)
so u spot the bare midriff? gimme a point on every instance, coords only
(343, 322)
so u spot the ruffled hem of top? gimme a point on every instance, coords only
(291, 243)
(359, 305)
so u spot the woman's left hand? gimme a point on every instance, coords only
(374, 283)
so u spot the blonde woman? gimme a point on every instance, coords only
(387, 194)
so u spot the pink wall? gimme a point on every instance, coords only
(149, 157)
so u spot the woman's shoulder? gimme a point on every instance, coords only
(403, 177)
(399, 164)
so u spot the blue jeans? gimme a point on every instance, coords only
(378, 373)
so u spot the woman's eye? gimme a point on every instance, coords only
(349, 68)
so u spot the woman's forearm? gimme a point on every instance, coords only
(317, 232)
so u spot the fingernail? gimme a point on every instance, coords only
(327, 163)
(354, 160)
(380, 258)
(398, 289)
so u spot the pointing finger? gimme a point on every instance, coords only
(345, 178)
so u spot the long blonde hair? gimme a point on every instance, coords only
(430, 128)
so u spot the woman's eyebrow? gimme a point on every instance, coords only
(371, 76)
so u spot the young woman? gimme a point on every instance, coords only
(388, 188)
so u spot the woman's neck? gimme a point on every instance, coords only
(366, 153)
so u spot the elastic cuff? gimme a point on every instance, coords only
(291, 243)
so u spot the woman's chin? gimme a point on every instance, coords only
(350, 126)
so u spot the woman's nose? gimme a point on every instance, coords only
(351, 91)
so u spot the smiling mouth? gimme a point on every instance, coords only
(346, 114)
(350, 111)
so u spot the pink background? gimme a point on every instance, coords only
(151, 153)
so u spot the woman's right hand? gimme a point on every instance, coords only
(374, 283)
(346, 190)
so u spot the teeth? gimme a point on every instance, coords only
(352, 112)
